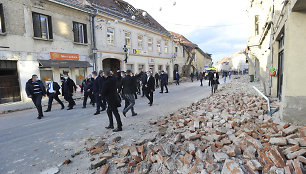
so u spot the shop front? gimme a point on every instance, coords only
(63, 63)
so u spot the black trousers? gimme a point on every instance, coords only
(55, 97)
(156, 81)
(162, 87)
(177, 82)
(209, 83)
(36, 98)
(214, 87)
(113, 110)
(69, 99)
(86, 95)
(149, 95)
(201, 80)
(98, 100)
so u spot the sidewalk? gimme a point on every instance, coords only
(20, 106)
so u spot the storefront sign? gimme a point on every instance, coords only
(64, 56)
(152, 60)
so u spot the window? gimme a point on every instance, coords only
(42, 26)
(128, 39)
(130, 67)
(166, 46)
(80, 32)
(257, 25)
(158, 46)
(140, 68)
(184, 53)
(150, 44)
(176, 49)
(2, 22)
(140, 39)
(110, 35)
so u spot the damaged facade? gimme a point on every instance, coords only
(277, 30)
(51, 37)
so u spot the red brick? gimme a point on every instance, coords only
(97, 151)
(302, 159)
(136, 158)
(104, 169)
(277, 159)
(132, 163)
(297, 166)
(264, 158)
(187, 159)
(287, 170)
(302, 132)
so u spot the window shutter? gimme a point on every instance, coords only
(36, 24)
(2, 18)
(50, 27)
(85, 33)
(76, 32)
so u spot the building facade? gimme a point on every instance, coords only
(282, 49)
(123, 31)
(47, 38)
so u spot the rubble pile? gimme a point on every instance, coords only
(225, 133)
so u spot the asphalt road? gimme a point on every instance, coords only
(29, 145)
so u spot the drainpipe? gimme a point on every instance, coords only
(265, 97)
(94, 44)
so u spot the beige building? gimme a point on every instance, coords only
(189, 54)
(46, 38)
(281, 46)
(119, 24)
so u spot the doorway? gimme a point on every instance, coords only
(280, 66)
(9, 82)
(110, 64)
(175, 69)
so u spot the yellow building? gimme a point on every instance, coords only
(280, 44)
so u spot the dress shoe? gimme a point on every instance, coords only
(84, 107)
(124, 114)
(167, 92)
(47, 110)
(161, 92)
(103, 109)
(117, 129)
(109, 127)
(63, 107)
(151, 104)
(70, 108)
(134, 114)
(97, 113)
(39, 117)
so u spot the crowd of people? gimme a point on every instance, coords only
(105, 90)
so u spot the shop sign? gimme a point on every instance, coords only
(64, 56)
(151, 60)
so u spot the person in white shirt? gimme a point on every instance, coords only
(53, 92)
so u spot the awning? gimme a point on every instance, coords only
(63, 64)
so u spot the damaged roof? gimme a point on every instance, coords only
(123, 10)
(182, 40)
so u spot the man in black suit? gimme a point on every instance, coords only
(52, 93)
(97, 91)
(87, 89)
(112, 97)
(68, 88)
(164, 82)
(214, 82)
(128, 88)
(103, 100)
(149, 85)
(209, 77)
(35, 90)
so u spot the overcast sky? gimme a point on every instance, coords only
(219, 27)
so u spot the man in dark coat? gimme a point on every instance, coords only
(164, 82)
(191, 76)
(209, 77)
(87, 85)
(68, 88)
(103, 100)
(112, 97)
(128, 90)
(53, 92)
(143, 81)
(214, 82)
(97, 91)
(157, 78)
(149, 85)
(201, 77)
(177, 78)
(35, 90)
